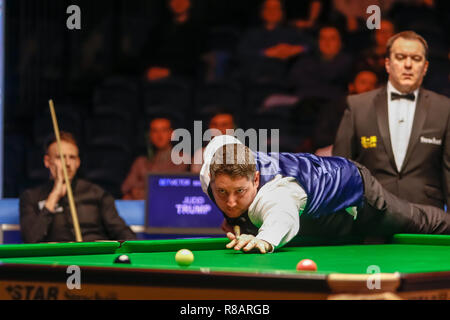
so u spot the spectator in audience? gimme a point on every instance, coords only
(159, 160)
(265, 52)
(173, 48)
(351, 17)
(375, 56)
(400, 131)
(325, 74)
(304, 14)
(221, 121)
(427, 17)
(45, 213)
(330, 114)
(355, 11)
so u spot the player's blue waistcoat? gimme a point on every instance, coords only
(331, 183)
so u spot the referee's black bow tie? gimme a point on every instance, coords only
(408, 96)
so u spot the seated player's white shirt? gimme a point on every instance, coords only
(277, 205)
(276, 210)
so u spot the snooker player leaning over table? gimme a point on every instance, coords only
(274, 197)
(44, 210)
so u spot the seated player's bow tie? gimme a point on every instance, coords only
(397, 96)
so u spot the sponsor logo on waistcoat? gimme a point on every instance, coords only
(369, 142)
(433, 140)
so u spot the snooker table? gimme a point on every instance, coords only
(408, 266)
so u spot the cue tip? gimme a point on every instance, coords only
(237, 231)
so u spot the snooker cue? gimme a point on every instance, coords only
(73, 210)
(237, 231)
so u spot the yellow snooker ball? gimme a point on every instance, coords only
(184, 257)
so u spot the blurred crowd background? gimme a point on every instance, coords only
(272, 64)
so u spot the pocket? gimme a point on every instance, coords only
(433, 192)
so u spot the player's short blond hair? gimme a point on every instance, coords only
(235, 160)
(63, 136)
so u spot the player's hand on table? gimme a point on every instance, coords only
(247, 242)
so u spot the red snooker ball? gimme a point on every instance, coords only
(306, 265)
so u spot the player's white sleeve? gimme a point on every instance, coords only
(276, 210)
(208, 153)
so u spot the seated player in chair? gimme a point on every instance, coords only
(273, 197)
(45, 211)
